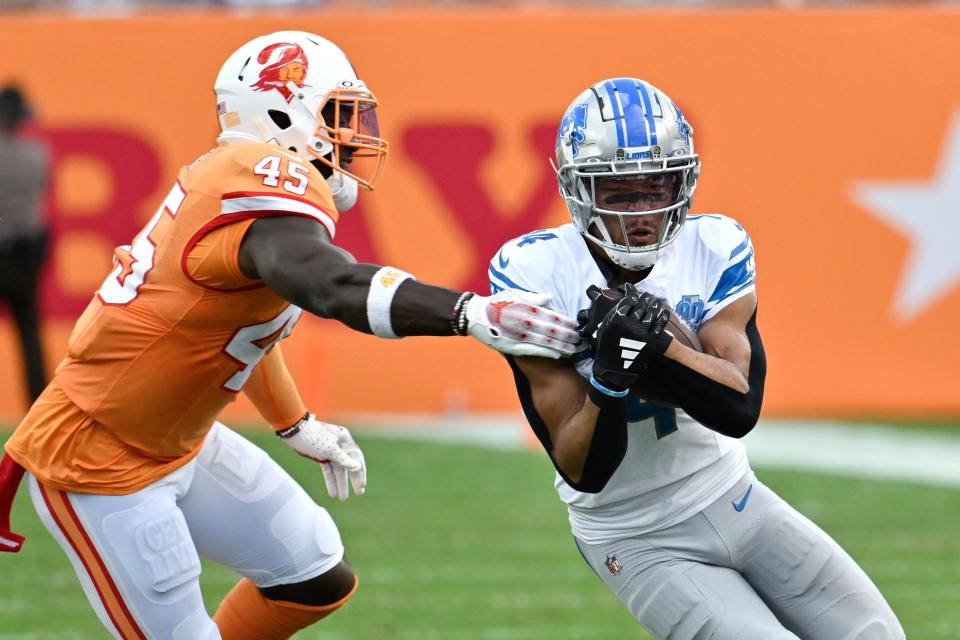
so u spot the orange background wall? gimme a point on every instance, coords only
(792, 111)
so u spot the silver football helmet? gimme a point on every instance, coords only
(626, 137)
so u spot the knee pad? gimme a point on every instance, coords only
(675, 609)
(237, 464)
(875, 630)
(791, 555)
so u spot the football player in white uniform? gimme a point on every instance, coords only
(662, 501)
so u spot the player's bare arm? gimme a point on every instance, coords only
(583, 426)
(726, 348)
(722, 388)
(295, 258)
(559, 396)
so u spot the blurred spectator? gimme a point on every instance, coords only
(23, 232)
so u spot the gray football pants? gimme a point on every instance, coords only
(761, 573)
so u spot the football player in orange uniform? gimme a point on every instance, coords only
(126, 463)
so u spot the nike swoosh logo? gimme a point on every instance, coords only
(740, 506)
(503, 263)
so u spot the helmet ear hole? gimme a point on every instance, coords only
(281, 119)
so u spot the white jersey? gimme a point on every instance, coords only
(674, 466)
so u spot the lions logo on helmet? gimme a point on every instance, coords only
(573, 125)
(625, 136)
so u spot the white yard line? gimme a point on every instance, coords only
(851, 449)
(863, 450)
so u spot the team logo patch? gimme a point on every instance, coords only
(284, 62)
(389, 277)
(613, 564)
(690, 308)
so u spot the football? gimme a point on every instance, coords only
(647, 386)
(683, 332)
(676, 325)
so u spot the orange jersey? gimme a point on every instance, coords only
(174, 332)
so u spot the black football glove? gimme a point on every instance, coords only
(629, 337)
(601, 302)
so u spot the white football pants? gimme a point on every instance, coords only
(137, 555)
(748, 567)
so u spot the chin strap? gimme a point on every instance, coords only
(10, 475)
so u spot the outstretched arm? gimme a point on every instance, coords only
(295, 258)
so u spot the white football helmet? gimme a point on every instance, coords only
(299, 91)
(624, 128)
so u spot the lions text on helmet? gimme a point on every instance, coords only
(299, 91)
(627, 169)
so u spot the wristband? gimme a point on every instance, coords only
(458, 320)
(605, 391)
(294, 429)
(605, 403)
(383, 286)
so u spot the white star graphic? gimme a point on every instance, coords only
(929, 214)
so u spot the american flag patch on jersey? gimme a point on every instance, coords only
(613, 564)
(221, 108)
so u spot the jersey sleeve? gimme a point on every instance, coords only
(732, 272)
(214, 261)
(265, 180)
(525, 263)
(273, 392)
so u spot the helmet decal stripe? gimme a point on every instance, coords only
(634, 115)
(648, 111)
(615, 105)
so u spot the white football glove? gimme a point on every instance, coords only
(333, 447)
(516, 323)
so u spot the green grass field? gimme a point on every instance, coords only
(459, 543)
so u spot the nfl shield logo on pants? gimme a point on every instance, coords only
(613, 564)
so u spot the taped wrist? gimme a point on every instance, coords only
(712, 404)
(383, 287)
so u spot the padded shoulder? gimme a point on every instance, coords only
(529, 262)
(723, 236)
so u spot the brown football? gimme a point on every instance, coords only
(680, 330)
(676, 325)
(647, 386)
